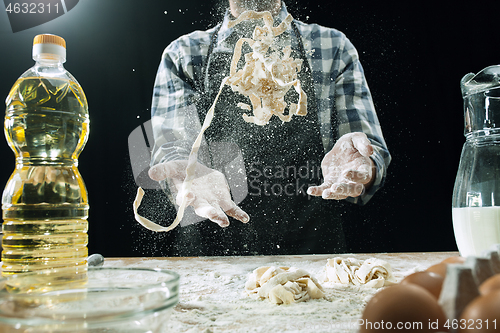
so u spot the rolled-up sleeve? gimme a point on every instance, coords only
(174, 116)
(355, 112)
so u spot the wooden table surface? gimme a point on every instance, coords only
(212, 297)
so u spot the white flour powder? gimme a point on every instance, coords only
(212, 297)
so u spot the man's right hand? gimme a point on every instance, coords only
(209, 195)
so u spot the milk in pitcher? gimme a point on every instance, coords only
(476, 229)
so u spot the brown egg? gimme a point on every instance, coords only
(438, 269)
(482, 314)
(431, 281)
(490, 284)
(403, 307)
(454, 260)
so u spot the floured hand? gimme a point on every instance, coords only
(347, 168)
(209, 193)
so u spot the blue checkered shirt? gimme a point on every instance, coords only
(343, 98)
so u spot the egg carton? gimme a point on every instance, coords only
(462, 281)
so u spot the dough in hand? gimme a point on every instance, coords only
(283, 285)
(372, 273)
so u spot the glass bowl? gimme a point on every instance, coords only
(112, 299)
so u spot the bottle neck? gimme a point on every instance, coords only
(47, 64)
(49, 60)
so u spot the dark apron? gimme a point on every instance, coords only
(282, 160)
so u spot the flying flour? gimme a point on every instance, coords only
(268, 74)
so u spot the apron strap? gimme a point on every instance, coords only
(204, 70)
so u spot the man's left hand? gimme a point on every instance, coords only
(347, 168)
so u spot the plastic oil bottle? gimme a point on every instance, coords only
(44, 204)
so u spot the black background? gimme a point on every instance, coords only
(414, 56)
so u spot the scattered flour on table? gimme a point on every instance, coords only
(213, 296)
(215, 301)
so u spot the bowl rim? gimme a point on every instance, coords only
(95, 319)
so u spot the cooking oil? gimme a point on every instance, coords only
(45, 204)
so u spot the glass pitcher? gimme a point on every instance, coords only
(476, 194)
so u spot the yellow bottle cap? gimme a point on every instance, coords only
(49, 45)
(50, 39)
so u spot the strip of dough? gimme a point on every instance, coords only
(283, 285)
(371, 273)
(188, 181)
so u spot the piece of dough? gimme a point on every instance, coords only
(268, 73)
(188, 181)
(371, 273)
(283, 285)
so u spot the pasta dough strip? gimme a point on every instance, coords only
(188, 181)
(372, 273)
(283, 285)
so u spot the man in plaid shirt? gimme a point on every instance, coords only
(337, 151)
